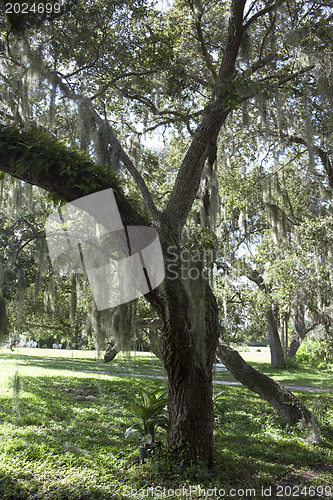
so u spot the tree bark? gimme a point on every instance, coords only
(300, 332)
(188, 356)
(111, 352)
(284, 401)
(277, 354)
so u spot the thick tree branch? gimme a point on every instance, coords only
(267, 388)
(323, 155)
(113, 141)
(55, 183)
(235, 32)
(204, 140)
(206, 55)
(261, 13)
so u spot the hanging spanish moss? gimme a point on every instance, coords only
(97, 328)
(50, 295)
(97, 137)
(246, 46)
(23, 105)
(261, 102)
(15, 196)
(243, 221)
(275, 196)
(135, 147)
(52, 111)
(124, 325)
(102, 145)
(21, 288)
(16, 392)
(73, 302)
(328, 255)
(3, 318)
(86, 126)
(41, 261)
(318, 268)
(210, 201)
(273, 217)
(295, 236)
(28, 197)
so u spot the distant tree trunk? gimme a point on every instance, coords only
(284, 320)
(300, 332)
(111, 351)
(277, 354)
(284, 401)
(112, 348)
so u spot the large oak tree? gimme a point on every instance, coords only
(103, 73)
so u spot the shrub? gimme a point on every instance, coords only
(316, 352)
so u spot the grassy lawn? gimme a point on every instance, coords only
(145, 363)
(62, 437)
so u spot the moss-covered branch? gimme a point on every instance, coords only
(38, 158)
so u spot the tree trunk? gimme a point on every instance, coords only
(300, 332)
(111, 352)
(188, 354)
(277, 354)
(284, 401)
(284, 320)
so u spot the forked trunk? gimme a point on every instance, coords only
(299, 333)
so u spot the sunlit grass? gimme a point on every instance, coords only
(62, 437)
(145, 363)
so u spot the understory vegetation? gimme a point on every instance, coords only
(62, 436)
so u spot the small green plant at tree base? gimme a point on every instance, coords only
(149, 408)
(219, 403)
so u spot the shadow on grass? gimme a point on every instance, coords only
(151, 366)
(10, 489)
(65, 440)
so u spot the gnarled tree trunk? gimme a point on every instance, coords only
(188, 354)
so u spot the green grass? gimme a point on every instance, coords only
(144, 363)
(298, 374)
(62, 436)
